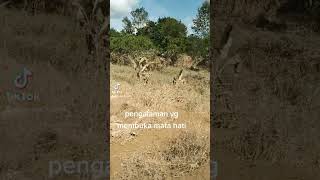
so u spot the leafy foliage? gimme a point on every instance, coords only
(114, 33)
(128, 43)
(167, 35)
(128, 27)
(139, 17)
(197, 47)
(202, 21)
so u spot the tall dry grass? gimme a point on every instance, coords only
(53, 46)
(179, 157)
(274, 100)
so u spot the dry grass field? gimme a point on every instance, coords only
(266, 119)
(67, 123)
(160, 153)
(267, 124)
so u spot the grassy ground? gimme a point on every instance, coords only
(160, 153)
(268, 113)
(53, 48)
(274, 132)
(68, 122)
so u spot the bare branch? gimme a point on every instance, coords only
(81, 13)
(180, 75)
(135, 64)
(104, 28)
(145, 67)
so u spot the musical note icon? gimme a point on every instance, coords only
(116, 89)
(21, 80)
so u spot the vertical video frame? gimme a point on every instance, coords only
(159, 89)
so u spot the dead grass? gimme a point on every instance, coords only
(186, 150)
(53, 47)
(42, 38)
(271, 101)
(179, 157)
(192, 96)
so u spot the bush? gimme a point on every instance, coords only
(182, 156)
(129, 44)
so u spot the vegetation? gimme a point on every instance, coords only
(128, 43)
(167, 36)
(201, 23)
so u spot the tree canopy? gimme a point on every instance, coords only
(202, 22)
(166, 35)
(139, 17)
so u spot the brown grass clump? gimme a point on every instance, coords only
(273, 100)
(180, 156)
(186, 152)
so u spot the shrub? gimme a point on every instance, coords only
(129, 44)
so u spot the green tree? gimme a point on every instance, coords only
(128, 27)
(197, 46)
(148, 30)
(201, 24)
(139, 18)
(171, 27)
(128, 44)
(169, 35)
(114, 33)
